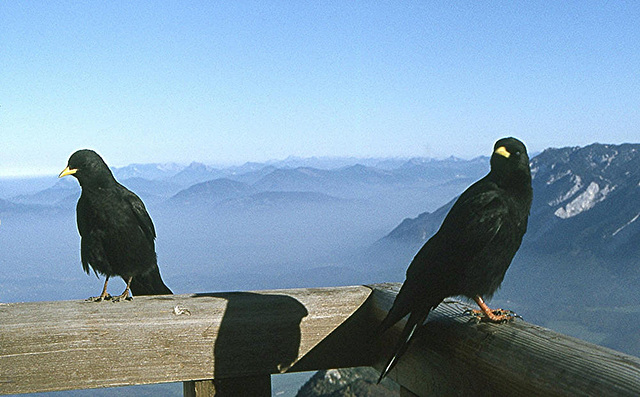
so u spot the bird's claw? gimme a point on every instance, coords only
(99, 298)
(515, 315)
(499, 316)
(121, 298)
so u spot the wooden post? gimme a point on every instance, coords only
(199, 388)
(257, 386)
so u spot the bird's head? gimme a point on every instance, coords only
(510, 161)
(89, 168)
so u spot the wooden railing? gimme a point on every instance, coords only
(228, 344)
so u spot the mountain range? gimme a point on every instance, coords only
(258, 225)
(586, 203)
(579, 260)
(390, 188)
(320, 222)
(578, 268)
(586, 200)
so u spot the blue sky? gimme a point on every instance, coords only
(229, 82)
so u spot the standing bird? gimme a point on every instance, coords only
(470, 253)
(117, 234)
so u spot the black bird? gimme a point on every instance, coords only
(470, 253)
(116, 232)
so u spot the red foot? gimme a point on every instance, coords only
(494, 316)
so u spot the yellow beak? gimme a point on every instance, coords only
(67, 171)
(502, 151)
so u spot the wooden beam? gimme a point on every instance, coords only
(452, 355)
(404, 392)
(49, 346)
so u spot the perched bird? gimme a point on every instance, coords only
(117, 234)
(470, 253)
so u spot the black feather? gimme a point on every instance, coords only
(117, 233)
(470, 253)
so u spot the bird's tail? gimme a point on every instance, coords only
(413, 322)
(149, 283)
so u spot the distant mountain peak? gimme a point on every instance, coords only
(585, 199)
(194, 165)
(147, 171)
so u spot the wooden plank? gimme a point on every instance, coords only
(404, 392)
(453, 356)
(48, 346)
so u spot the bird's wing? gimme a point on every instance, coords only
(142, 216)
(83, 222)
(475, 219)
(470, 226)
(82, 218)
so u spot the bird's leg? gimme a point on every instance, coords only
(125, 295)
(104, 295)
(494, 316)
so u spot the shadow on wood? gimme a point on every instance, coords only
(273, 320)
(240, 338)
(349, 345)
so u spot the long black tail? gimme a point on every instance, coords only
(149, 283)
(413, 322)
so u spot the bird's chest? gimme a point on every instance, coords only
(101, 211)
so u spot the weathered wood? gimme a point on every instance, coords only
(453, 356)
(404, 392)
(48, 346)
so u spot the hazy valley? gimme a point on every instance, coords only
(321, 222)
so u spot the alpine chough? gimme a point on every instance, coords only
(116, 232)
(473, 248)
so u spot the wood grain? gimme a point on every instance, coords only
(235, 336)
(453, 355)
(48, 346)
